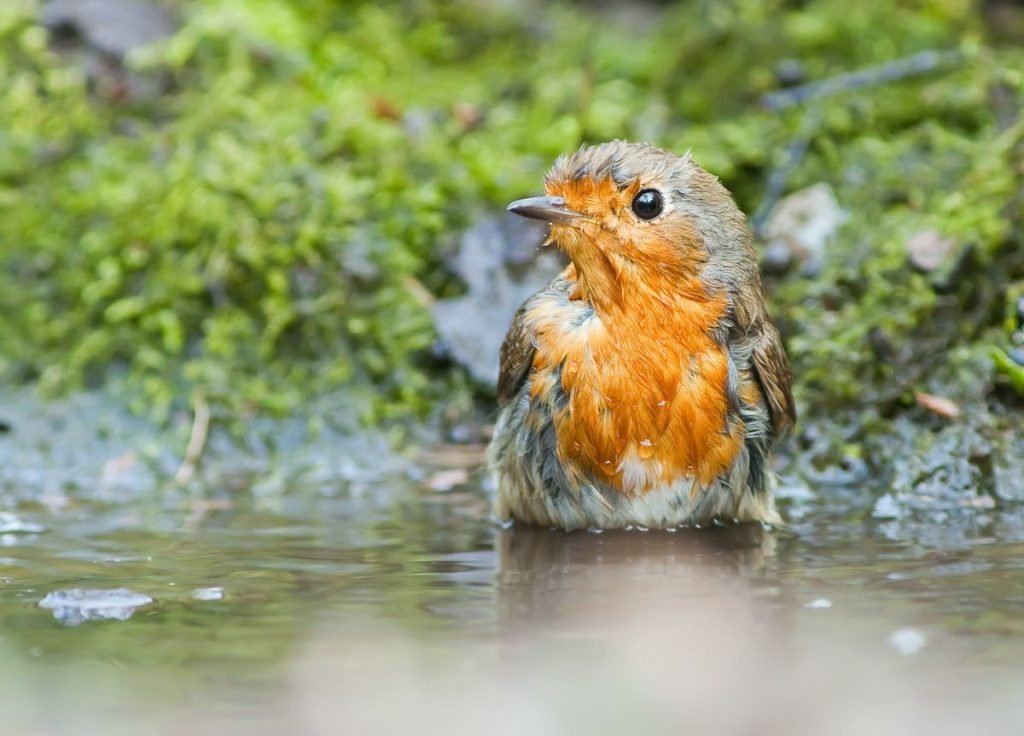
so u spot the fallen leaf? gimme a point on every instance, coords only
(385, 109)
(939, 405)
(445, 480)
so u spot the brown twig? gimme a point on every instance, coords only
(419, 292)
(197, 440)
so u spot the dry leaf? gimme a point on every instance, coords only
(939, 405)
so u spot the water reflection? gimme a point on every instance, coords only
(326, 611)
(546, 577)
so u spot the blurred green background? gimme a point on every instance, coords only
(258, 205)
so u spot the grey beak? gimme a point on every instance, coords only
(548, 209)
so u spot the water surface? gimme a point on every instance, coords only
(403, 608)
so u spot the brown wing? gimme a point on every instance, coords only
(771, 366)
(516, 356)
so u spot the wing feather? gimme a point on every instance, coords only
(773, 372)
(516, 356)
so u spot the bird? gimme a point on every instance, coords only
(645, 385)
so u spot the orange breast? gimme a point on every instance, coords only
(644, 389)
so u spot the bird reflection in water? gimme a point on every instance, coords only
(583, 580)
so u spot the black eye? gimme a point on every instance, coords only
(647, 205)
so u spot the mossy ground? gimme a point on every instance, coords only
(265, 229)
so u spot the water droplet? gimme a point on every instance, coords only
(819, 603)
(208, 594)
(907, 640)
(662, 402)
(646, 442)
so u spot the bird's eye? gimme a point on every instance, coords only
(647, 204)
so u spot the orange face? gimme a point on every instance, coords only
(614, 249)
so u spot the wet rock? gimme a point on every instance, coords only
(99, 34)
(776, 259)
(65, 445)
(358, 258)
(90, 447)
(825, 455)
(111, 27)
(945, 466)
(938, 482)
(499, 262)
(1008, 470)
(802, 224)
(971, 465)
(928, 249)
(77, 605)
(886, 507)
(790, 72)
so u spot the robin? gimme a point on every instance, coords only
(645, 384)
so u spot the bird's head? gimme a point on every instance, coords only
(634, 218)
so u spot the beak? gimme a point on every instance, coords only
(548, 209)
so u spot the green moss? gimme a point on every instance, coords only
(1005, 366)
(263, 231)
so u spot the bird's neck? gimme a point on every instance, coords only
(621, 290)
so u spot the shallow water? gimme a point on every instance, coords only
(406, 609)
